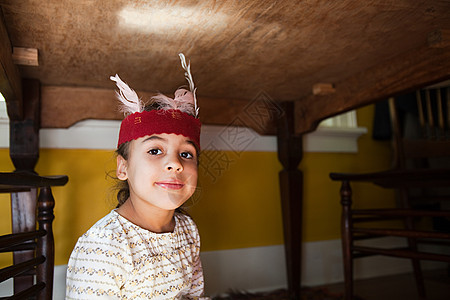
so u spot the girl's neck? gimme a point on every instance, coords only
(154, 220)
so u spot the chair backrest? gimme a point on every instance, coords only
(32, 248)
(431, 120)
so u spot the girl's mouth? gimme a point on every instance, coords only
(170, 185)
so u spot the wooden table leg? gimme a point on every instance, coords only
(290, 153)
(347, 240)
(24, 153)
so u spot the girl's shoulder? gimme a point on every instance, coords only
(108, 227)
(184, 219)
(186, 225)
(104, 245)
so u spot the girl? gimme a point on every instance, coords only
(145, 248)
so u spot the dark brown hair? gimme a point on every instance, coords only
(123, 192)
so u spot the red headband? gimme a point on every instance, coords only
(151, 122)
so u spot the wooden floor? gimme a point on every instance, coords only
(401, 287)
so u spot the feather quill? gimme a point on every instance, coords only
(130, 102)
(190, 80)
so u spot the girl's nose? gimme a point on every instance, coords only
(174, 164)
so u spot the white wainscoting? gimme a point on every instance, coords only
(263, 268)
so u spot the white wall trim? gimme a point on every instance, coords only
(327, 139)
(102, 135)
(342, 136)
(347, 119)
(89, 134)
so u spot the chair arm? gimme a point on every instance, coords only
(27, 179)
(399, 178)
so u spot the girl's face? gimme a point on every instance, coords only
(161, 170)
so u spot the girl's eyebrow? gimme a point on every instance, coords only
(154, 137)
(193, 145)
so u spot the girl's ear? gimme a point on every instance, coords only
(121, 170)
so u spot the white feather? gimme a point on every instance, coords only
(188, 76)
(186, 107)
(128, 97)
(166, 103)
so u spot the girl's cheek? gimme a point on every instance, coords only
(195, 167)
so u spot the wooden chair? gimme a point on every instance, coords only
(413, 177)
(33, 248)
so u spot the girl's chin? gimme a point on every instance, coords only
(172, 204)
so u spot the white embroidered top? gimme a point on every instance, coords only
(116, 259)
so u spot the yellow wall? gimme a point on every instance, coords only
(237, 205)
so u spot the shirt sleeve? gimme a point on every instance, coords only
(97, 267)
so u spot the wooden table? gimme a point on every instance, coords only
(55, 106)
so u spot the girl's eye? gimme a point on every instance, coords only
(155, 151)
(186, 155)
